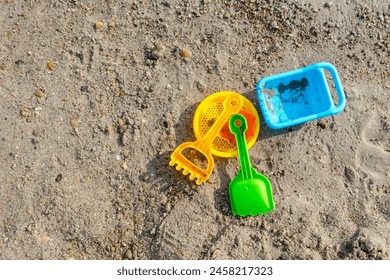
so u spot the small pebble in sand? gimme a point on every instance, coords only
(187, 54)
(39, 93)
(328, 4)
(84, 88)
(207, 1)
(59, 178)
(120, 122)
(129, 254)
(216, 254)
(111, 24)
(38, 110)
(124, 165)
(24, 112)
(99, 25)
(126, 153)
(163, 199)
(51, 65)
(122, 125)
(201, 86)
(322, 124)
(158, 51)
(74, 123)
(108, 130)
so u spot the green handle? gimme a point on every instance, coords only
(238, 125)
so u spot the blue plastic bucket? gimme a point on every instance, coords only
(299, 96)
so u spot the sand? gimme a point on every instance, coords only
(96, 95)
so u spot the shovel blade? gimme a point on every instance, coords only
(251, 197)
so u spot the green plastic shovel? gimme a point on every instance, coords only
(250, 192)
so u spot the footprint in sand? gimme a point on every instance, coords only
(238, 242)
(373, 155)
(187, 228)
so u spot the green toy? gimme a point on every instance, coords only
(250, 192)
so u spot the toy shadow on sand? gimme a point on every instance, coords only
(159, 173)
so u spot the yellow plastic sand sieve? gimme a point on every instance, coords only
(208, 112)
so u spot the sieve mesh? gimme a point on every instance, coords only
(208, 119)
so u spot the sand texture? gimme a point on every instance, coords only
(96, 95)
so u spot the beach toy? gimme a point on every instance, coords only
(232, 104)
(207, 113)
(299, 96)
(250, 132)
(250, 192)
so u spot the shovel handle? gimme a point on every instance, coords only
(238, 125)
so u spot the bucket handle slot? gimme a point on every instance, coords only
(337, 83)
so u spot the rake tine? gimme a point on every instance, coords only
(178, 166)
(192, 176)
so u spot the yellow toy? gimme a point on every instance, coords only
(224, 145)
(232, 104)
(211, 127)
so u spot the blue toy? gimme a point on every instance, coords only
(299, 96)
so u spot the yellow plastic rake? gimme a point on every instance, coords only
(232, 105)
